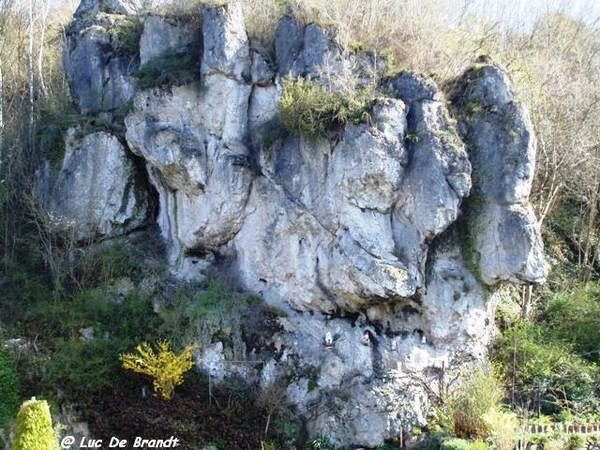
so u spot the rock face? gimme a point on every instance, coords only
(100, 191)
(99, 63)
(501, 143)
(383, 234)
(91, 7)
(165, 33)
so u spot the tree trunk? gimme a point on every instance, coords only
(31, 79)
(1, 113)
(590, 227)
(526, 296)
(40, 61)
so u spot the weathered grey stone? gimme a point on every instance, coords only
(413, 88)
(288, 43)
(165, 33)
(339, 234)
(456, 311)
(262, 72)
(92, 7)
(502, 146)
(307, 50)
(99, 191)
(100, 78)
(226, 46)
(264, 106)
(438, 176)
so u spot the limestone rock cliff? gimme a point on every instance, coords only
(394, 226)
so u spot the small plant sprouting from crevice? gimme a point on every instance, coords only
(174, 67)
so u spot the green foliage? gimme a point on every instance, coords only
(76, 368)
(575, 319)
(308, 109)
(542, 373)
(469, 229)
(435, 440)
(267, 445)
(319, 443)
(9, 389)
(171, 68)
(441, 441)
(480, 393)
(33, 429)
(207, 312)
(289, 431)
(79, 369)
(455, 444)
(438, 440)
(575, 442)
(503, 428)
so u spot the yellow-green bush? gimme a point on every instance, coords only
(465, 408)
(503, 428)
(462, 444)
(34, 427)
(163, 365)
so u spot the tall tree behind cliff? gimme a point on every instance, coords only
(30, 50)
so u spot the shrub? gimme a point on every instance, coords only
(34, 427)
(555, 444)
(575, 441)
(480, 393)
(79, 369)
(455, 444)
(164, 366)
(446, 443)
(9, 389)
(308, 109)
(435, 440)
